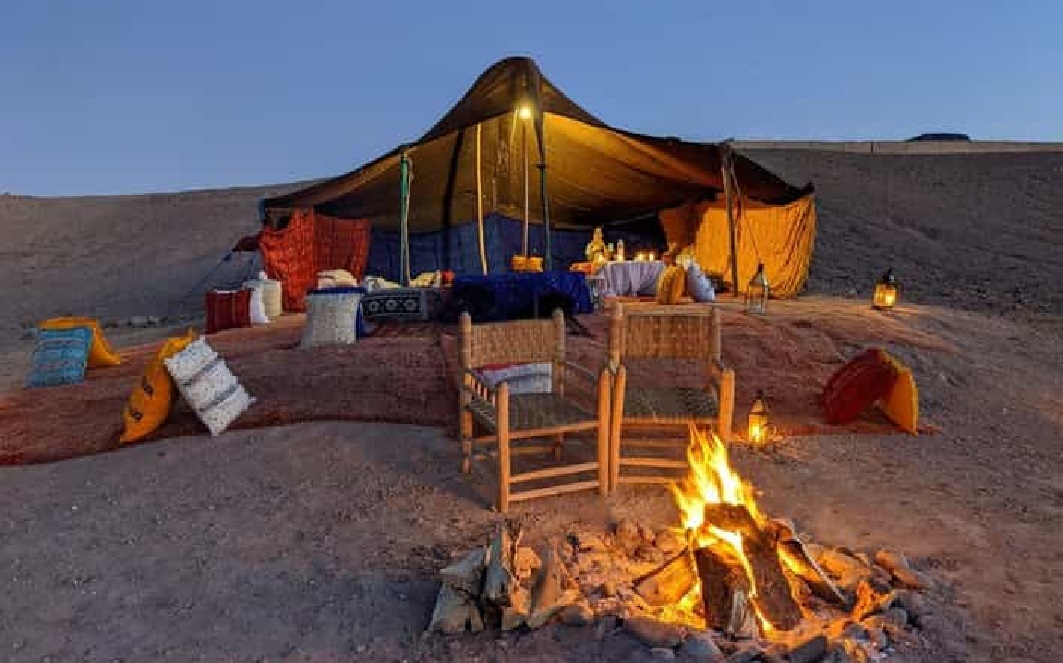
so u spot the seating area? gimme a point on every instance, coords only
(591, 399)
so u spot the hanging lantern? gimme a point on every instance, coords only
(758, 419)
(886, 291)
(757, 292)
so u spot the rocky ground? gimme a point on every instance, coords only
(321, 542)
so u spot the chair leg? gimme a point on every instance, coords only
(465, 433)
(504, 468)
(616, 419)
(559, 441)
(604, 426)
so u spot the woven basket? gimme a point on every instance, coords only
(272, 294)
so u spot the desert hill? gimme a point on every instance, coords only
(976, 231)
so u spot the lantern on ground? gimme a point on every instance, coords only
(758, 419)
(886, 291)
(757, 292)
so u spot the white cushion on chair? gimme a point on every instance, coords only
(521, 378)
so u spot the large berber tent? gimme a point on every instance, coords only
(516, 167)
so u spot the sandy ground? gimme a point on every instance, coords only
(320, 542)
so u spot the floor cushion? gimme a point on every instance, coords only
(671, 284)
(228, 309)
(100, 352)
(208, 386)
(699, 286)
(331, 317)
(856, 386)
(153, 395)
(901, 404)
(60, 357)
(402, 304)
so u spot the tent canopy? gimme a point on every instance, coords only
(596, 174)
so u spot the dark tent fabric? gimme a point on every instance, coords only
(596, 174)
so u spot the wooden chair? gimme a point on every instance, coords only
(578, 403)
(662, 332)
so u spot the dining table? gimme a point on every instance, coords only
(631, 278)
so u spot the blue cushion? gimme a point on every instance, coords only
(60, 357)
(698, 285)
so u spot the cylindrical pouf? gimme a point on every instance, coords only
(330, 318)
(271, 295)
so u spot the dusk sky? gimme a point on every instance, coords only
(129, 96)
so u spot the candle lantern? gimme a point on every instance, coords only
(758, 419)
(757, 292)
(886, 291)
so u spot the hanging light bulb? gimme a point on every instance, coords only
(524, 112)
(757, 292)
(758, 419)
(885, 291)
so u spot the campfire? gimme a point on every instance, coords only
(727, 579)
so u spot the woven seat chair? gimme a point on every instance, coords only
(577, 403)
(663, 332)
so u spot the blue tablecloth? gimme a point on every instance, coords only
(517, 295)
(359, 319)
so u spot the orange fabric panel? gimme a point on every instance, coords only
(780, 236)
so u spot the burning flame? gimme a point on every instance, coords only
(712, 481)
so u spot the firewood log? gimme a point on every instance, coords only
(670, 582)
(467, 575)
(499, 578)
(772, 597)
(454, 612)
(725, 593)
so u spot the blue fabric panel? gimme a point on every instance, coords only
(503, 237)
(60, 357)
(513, 295)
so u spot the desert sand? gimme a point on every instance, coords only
(320, 541)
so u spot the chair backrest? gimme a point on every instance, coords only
(514, 342)
(664, 332)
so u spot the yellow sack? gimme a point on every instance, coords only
(149, 404)
(671, 285)
(100, 352)
(901, 404)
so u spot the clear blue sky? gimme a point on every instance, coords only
(125, 96)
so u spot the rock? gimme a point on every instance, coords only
(525, 563)
(890, 560)
(913, 603)
(701, 647)
(606, 625)
(577, 614)
(838, 654)
(154, 320)
(910, 579)
(654, 633)
(896, 616)
(869, 602)
(628, 536)
(809, 651)
(609, 588)
(649, 554)
(746, 656)
(878, 638)
(669, 542)
(138, 321)
(856, 632)
(592, 543)
(662, 654)
(646, 534)
(29, 335)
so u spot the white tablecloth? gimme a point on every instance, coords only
(631, 277)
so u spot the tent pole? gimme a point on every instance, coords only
(548, 260)
(480, 200)
(728, 192)
(527, 203)
(404, 219)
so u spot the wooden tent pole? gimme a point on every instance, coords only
(527, 203)
(728, 192)
(404, 219)
(480, 199)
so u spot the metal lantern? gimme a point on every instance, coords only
(757, 292)
(886, 291)
(758, 419)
